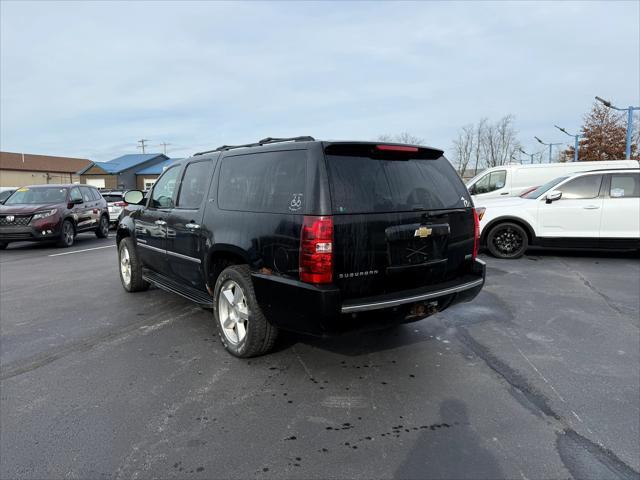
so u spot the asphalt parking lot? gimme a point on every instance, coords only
(537, 378)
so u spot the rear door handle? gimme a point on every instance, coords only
(192, 226)
(160, 222)
(591, 207)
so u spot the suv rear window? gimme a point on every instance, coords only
(365, 185)
(271, 182)
(112, 197)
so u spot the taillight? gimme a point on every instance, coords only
(476, 233)
(316, 250)
(121, 204)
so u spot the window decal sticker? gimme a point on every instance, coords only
(296, 202)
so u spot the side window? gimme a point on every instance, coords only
(273, 182)
(498, 180)
(96, 194)
(584, 187)
(481, 186)
(162, 195)
(75, 194)
(490, 182)
(87, 196)
(194, 184)
(625, 185)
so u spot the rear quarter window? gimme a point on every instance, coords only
(366, 185)
(270, 182)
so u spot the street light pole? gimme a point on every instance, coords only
(550, 147)
(577, 145)
(629, 111)
(529, 154)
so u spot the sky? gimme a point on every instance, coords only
(88, 79)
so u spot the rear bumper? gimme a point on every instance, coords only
(318, 310)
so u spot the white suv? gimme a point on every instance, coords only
(596, 209)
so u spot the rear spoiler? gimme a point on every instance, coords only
(391, 151)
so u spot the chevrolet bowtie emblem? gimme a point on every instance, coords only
(422, 232)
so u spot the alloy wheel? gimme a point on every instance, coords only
(125, 266)
(67, 233)
(233, 312)
(104, 226)
(508, 241)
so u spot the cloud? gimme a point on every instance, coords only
(87, 78)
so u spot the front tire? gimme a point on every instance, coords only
(103, 227)
(242, 327)
(507, 240)
(67, 234)
(130, 267)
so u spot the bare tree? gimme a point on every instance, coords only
(486, 144)
(478, 151)
(403, 137)
(464, 147)
(500, 142)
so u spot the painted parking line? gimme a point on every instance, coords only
(80, 251)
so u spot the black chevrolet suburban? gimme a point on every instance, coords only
(311, 236)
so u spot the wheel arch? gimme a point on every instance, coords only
(220, 257)
(73, 222)
(531, 234)
(125, 229)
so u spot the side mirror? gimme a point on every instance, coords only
(134, 197)
(74, 201)
(553, 196)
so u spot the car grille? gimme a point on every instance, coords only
(14, 236)
(17, 220)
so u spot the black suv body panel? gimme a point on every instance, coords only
(252, 212)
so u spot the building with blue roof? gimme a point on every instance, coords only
(133, 171)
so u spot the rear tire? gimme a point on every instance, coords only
(242, 327)
(103, 227)
(507, 240)
(130, 267)
(67, 234)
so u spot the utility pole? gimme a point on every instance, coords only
(629, 111)
(142, 145)
(164, 147)
(577, 145)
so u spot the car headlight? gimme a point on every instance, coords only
(45, 214)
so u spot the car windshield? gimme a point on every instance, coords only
(4, 195)
(28, 195)
(544, 188)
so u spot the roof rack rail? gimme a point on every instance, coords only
(264, 141)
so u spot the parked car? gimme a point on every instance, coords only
(513, 180)
(304, 235)
(5, 192)
(115, 202)
(53, 212)
(597, 209)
